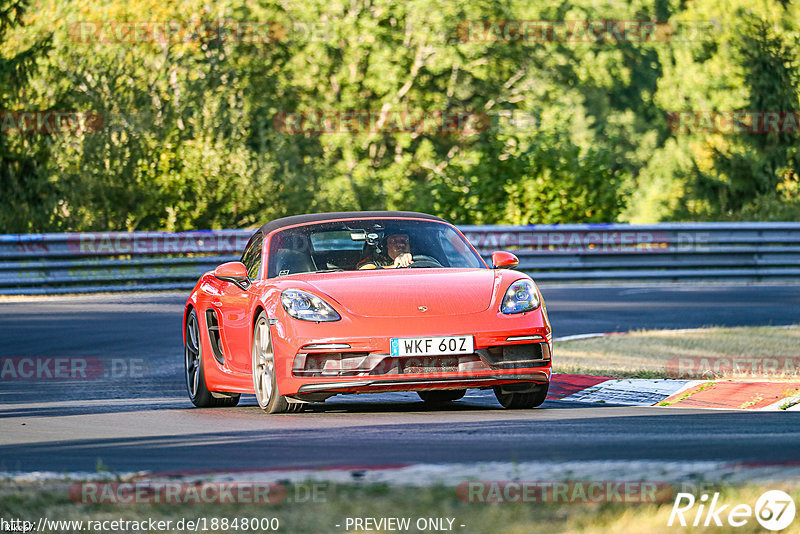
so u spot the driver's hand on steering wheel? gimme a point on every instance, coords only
(403, 260)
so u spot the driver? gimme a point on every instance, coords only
(398, 254)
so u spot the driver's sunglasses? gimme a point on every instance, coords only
(398, 241)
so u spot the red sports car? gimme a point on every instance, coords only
(365, 302)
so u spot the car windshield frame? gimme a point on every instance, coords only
(291, 250)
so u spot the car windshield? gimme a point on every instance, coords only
(367, 245)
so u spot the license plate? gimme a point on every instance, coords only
(431, 346)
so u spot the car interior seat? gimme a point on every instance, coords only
(294, 257)
(289, 261)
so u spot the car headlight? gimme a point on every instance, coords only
(303, 305)
(522, 296)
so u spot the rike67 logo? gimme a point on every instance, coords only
(774, 511)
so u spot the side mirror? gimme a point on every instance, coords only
(504, 260)
(235, 272)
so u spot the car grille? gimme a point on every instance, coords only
(353, 364)
(376, 364)
(517, 356)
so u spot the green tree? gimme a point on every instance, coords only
(755, 164)
(574, 131)
(745, 59)
(28, 199)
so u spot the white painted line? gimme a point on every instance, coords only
(675, 331)
(786, 403)
(688, 385)
(580, 336)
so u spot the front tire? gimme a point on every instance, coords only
(265, 383)
(199, 393)
(522, 401)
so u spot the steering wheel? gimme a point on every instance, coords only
(421, 261)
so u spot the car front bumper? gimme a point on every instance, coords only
(319, 359)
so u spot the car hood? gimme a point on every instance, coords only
(402, 293)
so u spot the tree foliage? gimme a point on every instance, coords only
(29, 199)
(571, 131)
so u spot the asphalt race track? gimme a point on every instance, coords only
(139, 418)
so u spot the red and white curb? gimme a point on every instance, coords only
(774, 396)
(771, 396)
(711, 394)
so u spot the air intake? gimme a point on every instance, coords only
(214, 336)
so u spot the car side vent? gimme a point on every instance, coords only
(213, 335)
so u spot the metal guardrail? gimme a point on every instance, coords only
(112, 261)
(660, 252)
(124, 261)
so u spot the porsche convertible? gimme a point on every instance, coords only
(365, 302)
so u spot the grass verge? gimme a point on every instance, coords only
(30, 501)
(761, 352)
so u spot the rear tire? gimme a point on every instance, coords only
(435, 398)
(265, 384)
(522, 401)
(199, 393)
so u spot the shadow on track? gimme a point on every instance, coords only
(606, 434)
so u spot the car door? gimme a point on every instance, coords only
(234, 308)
